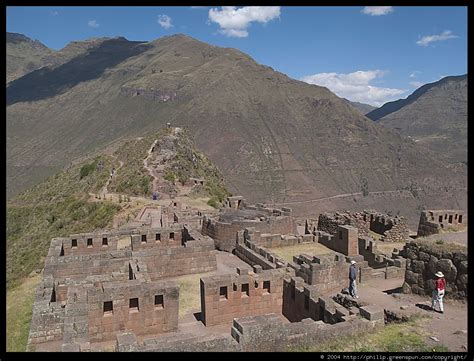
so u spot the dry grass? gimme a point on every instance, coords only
(287, 253)
(19, 310)
(189, 293)
(387, 247)
(396, 337)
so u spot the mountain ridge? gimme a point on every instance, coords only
(275, 138)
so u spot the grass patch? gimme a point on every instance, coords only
(189, 293)
(387, 247)
(19, 310)
(441, 245)
(396, 337)
(287, 253)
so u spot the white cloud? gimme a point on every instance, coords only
(54, 13)
(164, 21)
(416, 84)
(234, 21)
(198, 7)
(93, 24)
(414, 74)
(445, 35)
(377, 10)
(356, 86)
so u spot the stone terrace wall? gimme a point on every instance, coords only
(223, 297)
(392, 229)
(425, 259)
(434, 221)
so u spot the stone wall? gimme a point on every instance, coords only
(268, 333)
(344, 240)
(425, 259)
(435, 221)
(300, 300)
(391, 229)
(326, 272)
(155, 312)
(224, 228)
(254, 255)
(224, 297)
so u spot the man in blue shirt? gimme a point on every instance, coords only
(352, 279)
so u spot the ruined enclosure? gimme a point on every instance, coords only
(388, 228)
(118, 289)
(437, 221)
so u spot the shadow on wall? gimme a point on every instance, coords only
(46, 83)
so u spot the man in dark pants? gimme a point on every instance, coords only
(352, 279)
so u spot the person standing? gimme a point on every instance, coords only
(352, 279)
(438, 292)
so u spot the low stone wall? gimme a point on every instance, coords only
(425, 259)
(268, 333)
(252, 254)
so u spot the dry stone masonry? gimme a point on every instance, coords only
(424, 259)
(117, 289)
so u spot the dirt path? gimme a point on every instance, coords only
(149, 169)
(343, 195)
(448, 328)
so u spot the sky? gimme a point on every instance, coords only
(371, 54)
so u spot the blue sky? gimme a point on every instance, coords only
(367, 54)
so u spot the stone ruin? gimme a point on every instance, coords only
(237, 215)
(424, 259)
(389, 228)
(436, 221)
(117, 289)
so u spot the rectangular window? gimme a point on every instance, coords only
(245, 290)
(223, 293)
(450, 220)
(143, 238)
(306, 302)
(266, 286)
(158, 237)
(159, 301)
(74, 243)
(133, 305)
(440, 219)
(105, 242)
(172, 235)
(460, 218)
(108, 308)
(89, 242)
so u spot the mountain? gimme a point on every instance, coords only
(24, 55)
(434, 116)
(362, 107)
(274, 138)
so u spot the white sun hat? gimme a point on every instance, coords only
(353, 262)
(439, 274)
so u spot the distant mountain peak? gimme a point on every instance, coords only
(391, 107)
